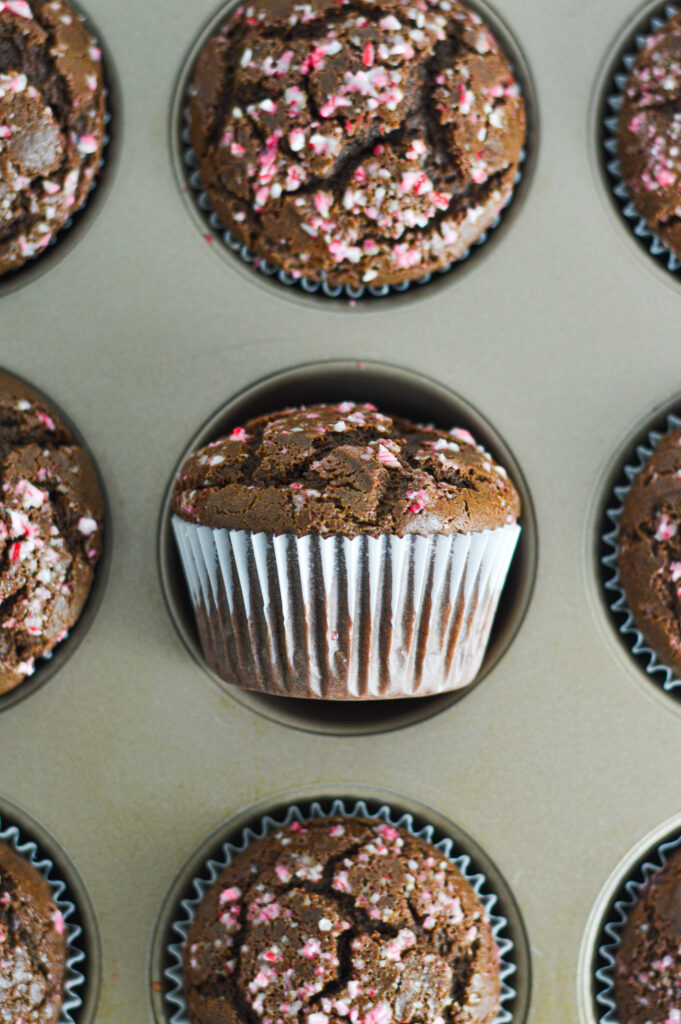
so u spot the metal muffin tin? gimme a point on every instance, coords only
(562, 338)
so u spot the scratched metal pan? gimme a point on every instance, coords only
(556, 343)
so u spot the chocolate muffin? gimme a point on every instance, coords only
(344, 469)
(648, 962)
(363, 144)
(649, 133)
(341, 919)
(649, 550)
(51, 514)
(335, 552)
(52, 110)
(32, 944)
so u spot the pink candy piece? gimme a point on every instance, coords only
(58, 920)
(46, 420)
(238, 434)
(18, 7)
(386, 457)
(666, 529)
(86, 144)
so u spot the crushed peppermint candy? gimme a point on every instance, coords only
(346, 104)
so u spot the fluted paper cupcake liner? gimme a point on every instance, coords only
(344, 618)
(74, 979)
(616, 919)
(197, 193)
(212, 868)
(617, 597)
(613, 105)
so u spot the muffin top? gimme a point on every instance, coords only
(51, 123)
(341, 919)
(649, 550)
(649, 133)
(344, 469)
(647, 975)
(51, 514)
(367, 143)
(32, 944)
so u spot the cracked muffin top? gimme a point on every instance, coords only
(364, 142)
(649, 133)
(32, 944)
(341, 920)
(649, 550)
(647, 978)
(51, 514)
(344, 469)
(52, 111)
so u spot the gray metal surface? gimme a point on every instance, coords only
(564, 337)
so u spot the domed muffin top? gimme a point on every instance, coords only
(341, 919)
(52, 110)
(647, 975)
(649, 132)
(32, 944)
(649, 549)
(344, 469)
(51, 514)
(366, 143)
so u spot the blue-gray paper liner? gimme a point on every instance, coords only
(611, 115)
(617, 599)
(616, 916)
(74, 978)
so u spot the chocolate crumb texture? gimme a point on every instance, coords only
(366, 142)
(649, 133)
(51, 515)
(649, 550)
(344, 469)
(32, 944)
(341, 920)
(647, 974)
(52, 110)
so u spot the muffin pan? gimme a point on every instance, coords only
(563, 334)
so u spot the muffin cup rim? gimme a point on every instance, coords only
(253, 818)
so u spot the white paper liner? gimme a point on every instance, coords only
(604, 992)
(197, 193)
(74, 979)
(344, 618)
(613, 104)
(212, 868)
(628, 629)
